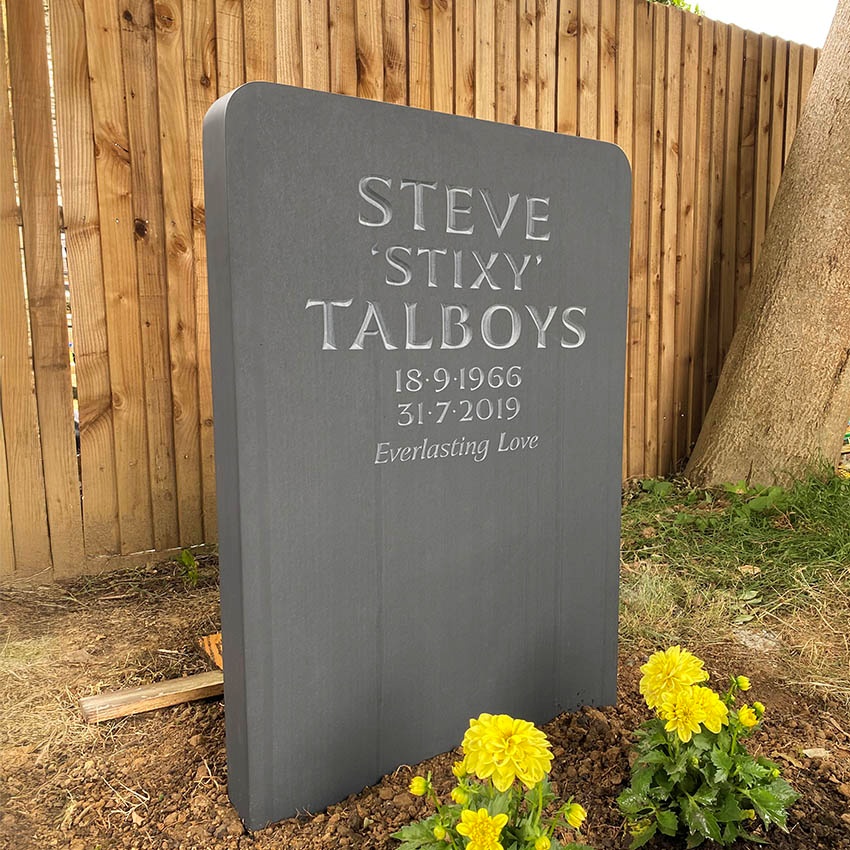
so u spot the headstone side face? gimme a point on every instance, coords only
(418, 327)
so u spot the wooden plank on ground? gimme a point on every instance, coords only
(180, 271)
(258, 21)
(288, 68)
(547, 64)
(526, 69)
(419, 53)
(567, 94)
(507, 108)
(343, 47)
(33, 129)
(607, 70)
(395, 51)
(315, 49)
(140, 86)
(85, 276)
(370, 49)
(211, 645)
(109, 706)
(114, 190)
(485, 61)
(442, 51)
(23, 481)
(201, 89)
(588, 52)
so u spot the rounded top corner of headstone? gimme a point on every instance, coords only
(621, 160)
(247, 92)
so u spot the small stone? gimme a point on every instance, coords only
(196, 740)
(235, 827)
(816, 753)
(403, 799)
(844, 789)
(846, 818)
(170, 819)
(386, 793)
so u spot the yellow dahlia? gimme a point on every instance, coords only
(747, 716)
(575, 815)
(712, 709)
(501, 748)
(543, 843)
(668, 671)
(682, 709)
(482, 830)
(418, 786)
(742, 682)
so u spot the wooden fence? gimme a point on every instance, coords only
(102, 217)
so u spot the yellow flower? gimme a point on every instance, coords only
(460, 796)
(747, 716)
(742, 682)
(575, 815)
(667, 671)
(459, 769)
(713, 710)
(542, 843)
(683, 711)
(749, 814)
(419, 786)
(759, 709)
(439, 832)
(482, 830)
(502, 749)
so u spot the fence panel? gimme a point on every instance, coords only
(705, 112)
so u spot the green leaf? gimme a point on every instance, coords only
(419, 835)
(785, 795)
(701, 820)
(768, 807)
(630, 802)
(643, 836)
(723, 762)
(728, 811)
(705, 795)
(668, 821)
(653, 757)
(642, 780)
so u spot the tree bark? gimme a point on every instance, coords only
(783, 398)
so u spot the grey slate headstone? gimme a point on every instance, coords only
(418, 500)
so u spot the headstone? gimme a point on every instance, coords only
(418, 339)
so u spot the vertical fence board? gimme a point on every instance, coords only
(547, 70)
(315, 49)
(260, 39)
(639, 280)
(395, 51)
(45, 285)
(85, 276)
(419, 53)
(792, 100)
(699, 294)
(607, 70)
(464, 59)
(201, 90)
(729, 249)
(180, 270)
(588, 51)
(667, 295)
(118, 259)
(485, 64)
(660, 15)
(23, 478)
(777, 119)
(685, 232)
(527, 62)
(746, 170)
(229, 45)
(370, 50)
(762, 150)
(288, 68)
(807, 71)
(140, 84)
(442, 46)
(343, 55)
(567, 96)
(7, 541)
(714, 277)
(507, 103)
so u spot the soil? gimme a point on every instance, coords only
(159, 780)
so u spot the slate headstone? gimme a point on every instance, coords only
(418, 341)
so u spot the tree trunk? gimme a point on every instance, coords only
(783, 398)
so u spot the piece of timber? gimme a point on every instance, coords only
(123, 703)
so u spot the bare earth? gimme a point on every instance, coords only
(159, 780)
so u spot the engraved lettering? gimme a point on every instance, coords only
(329, 338)
(373, 312)
(486, 329)
(453, 210)
(541, 324)
(494, 216)
(532, 217)
(418, 200)
(485, 271)
(398, 264)
(373, 198)
(518, 270)
(578, 330)
(410, 337)
(432, 262)
(462, 316)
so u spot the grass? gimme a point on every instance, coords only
(742, 564)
